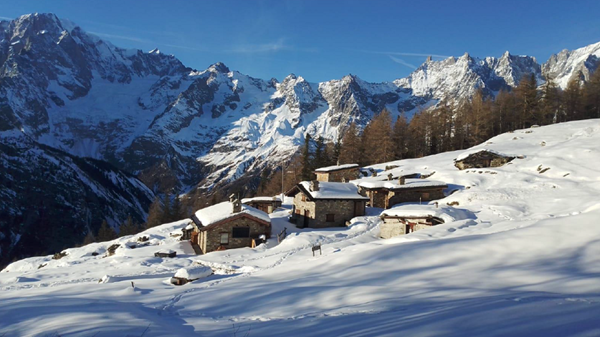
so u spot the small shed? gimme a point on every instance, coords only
(410, 218)
(482, 158)
(337, 173)
(265, 204)
(325, 204)
(165, 253)
(186, 275)
(228, 225)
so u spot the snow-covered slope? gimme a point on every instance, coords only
(524, 262)
(177, 127)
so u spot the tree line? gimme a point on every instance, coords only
(165, 210)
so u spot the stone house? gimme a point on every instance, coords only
(481, 158)
(325, 204)
(410, 218)
(337, 173)
(265, 204)
(228, 225)
(387, 193)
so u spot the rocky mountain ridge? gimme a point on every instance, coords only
(178, 128)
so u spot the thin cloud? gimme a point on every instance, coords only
(417, 54)
(121, 37)
(270, 47)
(402, 62)
(402, 53)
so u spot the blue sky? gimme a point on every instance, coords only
(321, 40)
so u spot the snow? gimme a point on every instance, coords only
(193, 272)
(446, 213)
(248, 200)
(331, 190)
(408, 184)
(224, 210)
(336, 168)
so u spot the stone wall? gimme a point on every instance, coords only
(414, 195)
(299, 208)
(391, 227)
(210, 239)
(343, 210)
(481, 160)
(338, 176)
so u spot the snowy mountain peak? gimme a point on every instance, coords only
(155, 51)
(219, 67)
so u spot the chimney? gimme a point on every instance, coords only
(374, 173)
(314, 185)
(402, 180)
(390, 176)
(338, 162)
(237, 205)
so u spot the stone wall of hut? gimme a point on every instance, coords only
(210, 239)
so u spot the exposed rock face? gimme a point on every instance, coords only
(176, 127)
(562, 67)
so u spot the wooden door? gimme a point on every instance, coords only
(306, 216)
(194, 238)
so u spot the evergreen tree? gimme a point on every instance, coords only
(177, 209)
(89, 238)
(337, 148)
(106, 233)
(155, 214)
(306, 160)
(591, 95)
(321, 158)
(167, 210)
(128, 227)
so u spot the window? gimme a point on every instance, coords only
(425, 195)
(303, 198)
(298, 211)
(224, 238)
(330, 217)
(240, 232)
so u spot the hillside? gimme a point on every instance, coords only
(525, 263)
(50, 200)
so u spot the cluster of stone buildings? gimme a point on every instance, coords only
(333, 199)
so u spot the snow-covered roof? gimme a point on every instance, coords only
(247, 200)
(465, 154)
(448, 214)
(336, 168)
(193, 273)
(219, 212)
(408, 184)
(330, 190)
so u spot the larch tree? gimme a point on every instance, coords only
(350, 151)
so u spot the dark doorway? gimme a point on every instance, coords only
(306, 216)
